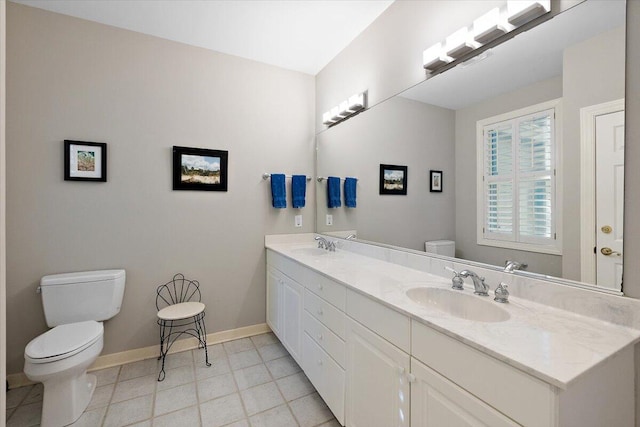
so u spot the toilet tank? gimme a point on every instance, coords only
(76, 297)
(441, 247)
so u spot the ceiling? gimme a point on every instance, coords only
(299, 35)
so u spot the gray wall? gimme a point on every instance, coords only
(466, 214)
(73, 79)
(593, 73)
(397, 132)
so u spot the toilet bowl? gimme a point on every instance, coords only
(59, 359)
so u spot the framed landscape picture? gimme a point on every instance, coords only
(85, 161)
(199, 169)
(393, 179)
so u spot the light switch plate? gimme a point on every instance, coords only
(329, 219)
(298, 221)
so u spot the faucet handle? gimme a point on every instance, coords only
(456, 280)
(502, 294)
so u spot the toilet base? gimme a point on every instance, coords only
(58, 406)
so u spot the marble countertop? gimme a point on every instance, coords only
(553, 345)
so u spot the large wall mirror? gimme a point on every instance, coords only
(529, 139)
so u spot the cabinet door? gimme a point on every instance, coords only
(274, 286)
(436, 401)
(291, 326)
(377, 382)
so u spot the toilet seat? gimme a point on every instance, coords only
(63, 341)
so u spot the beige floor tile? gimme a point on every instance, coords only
(295, 386)
(175, 398)
(176, 377)
(129, 412)
(139, 369)
(252, 376)
(282, 367)
(264, 339)
(218, 366)
(101, 397)
(91, 418)
(244, 359)
(214, 387)
(310, 410)
(272, 351)
(16, 396)
(276, 417)
(107, 376)
(35, 394)
(135, 387)
(238, 346)
(241, 423)
(176, 360)
(222, 411)
(26, 415)
(187, 417)
(261, 398)
(332, 423)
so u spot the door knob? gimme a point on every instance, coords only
(606, 229)
(609, 252)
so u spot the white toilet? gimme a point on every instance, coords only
(74, 304)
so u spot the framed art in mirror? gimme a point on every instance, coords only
(393, 179)
(199, 169)
(85, 161)
(435, 185)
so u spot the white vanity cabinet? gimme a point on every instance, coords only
(284, 310)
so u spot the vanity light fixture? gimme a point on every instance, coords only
(435, 57)
(520, 12)
(346, 108)
(493, 24)
(460, 43)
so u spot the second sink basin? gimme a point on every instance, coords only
(459, 304)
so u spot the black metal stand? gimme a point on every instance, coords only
(168, 336)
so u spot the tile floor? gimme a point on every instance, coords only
(252, 382)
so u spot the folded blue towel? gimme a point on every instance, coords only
(350, 192)
(333, 192)
(278, 191)
(298, 190)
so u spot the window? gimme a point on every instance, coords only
(517, 180)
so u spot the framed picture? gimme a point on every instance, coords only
(393, 179)
(199, 169)
(85, 161)
(436, 182)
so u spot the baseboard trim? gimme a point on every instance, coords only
(143, 353)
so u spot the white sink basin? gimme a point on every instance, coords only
(310, 251)
(459, 304)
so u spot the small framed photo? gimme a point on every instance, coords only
(436, 182)
(85, 161)
(199, 169)
(393, 179)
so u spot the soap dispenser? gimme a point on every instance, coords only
(502, 294)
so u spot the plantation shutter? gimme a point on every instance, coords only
(519, 179)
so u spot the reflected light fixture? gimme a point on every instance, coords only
(345, 109)
(493, 24)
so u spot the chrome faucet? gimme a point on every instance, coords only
(511, 266)
(350, 236)
(325, 244)
(481, 288)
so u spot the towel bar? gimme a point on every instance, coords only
(266, 176)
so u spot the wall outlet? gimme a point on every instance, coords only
(329, 219)
(298, 221)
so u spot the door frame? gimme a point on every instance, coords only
(588, 184)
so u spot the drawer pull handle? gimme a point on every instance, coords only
(320, 337)
(320, 311)
(411, 378)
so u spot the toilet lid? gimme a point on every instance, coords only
(63, 341)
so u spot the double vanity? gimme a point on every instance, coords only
(387, 342)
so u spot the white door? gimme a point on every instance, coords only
(377, 382)
(609, 198)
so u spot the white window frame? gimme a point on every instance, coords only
(553, 248)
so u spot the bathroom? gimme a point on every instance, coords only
(74, 79)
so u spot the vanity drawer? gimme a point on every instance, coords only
(389, 324)
(330, 291)
(521, 397)
(326, 376)
(326, 339)
(284, 264)
(324, 312)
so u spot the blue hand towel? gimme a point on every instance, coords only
(350, 192)
(333, 192)
(298, 190)
(278, 191)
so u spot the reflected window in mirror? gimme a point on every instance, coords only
(517, 192)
